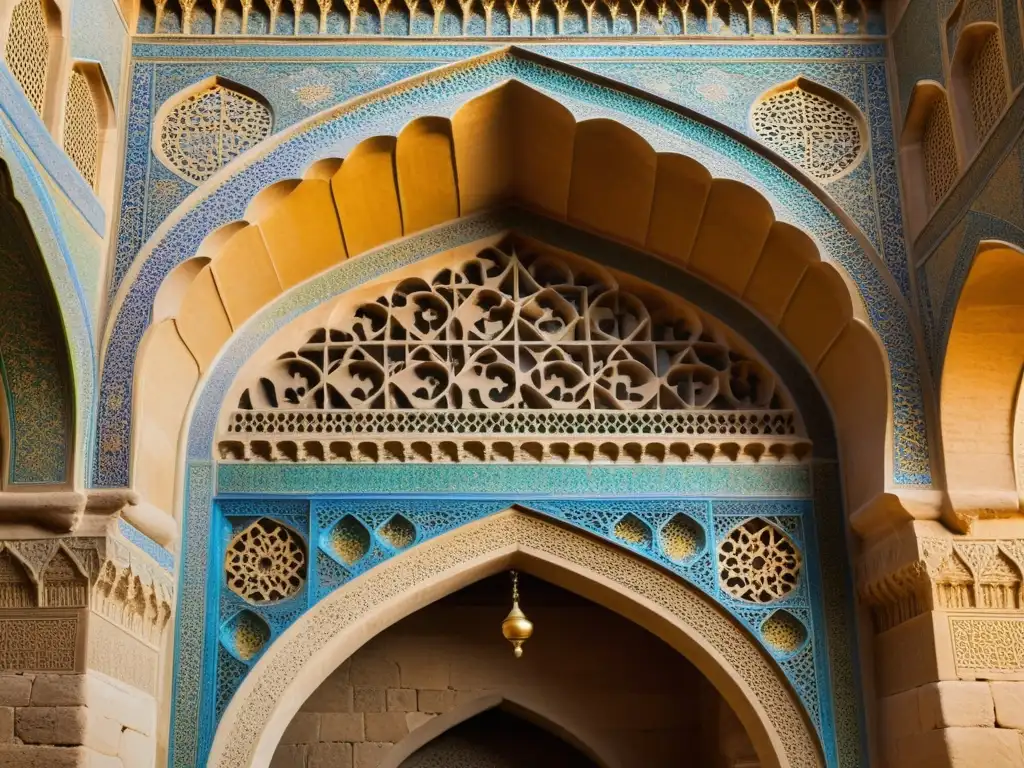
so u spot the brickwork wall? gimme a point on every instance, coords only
(617, 688)
(73, 721)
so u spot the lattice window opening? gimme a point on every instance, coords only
(987, 78)
(82, 129)
(266, 562)
(513, 332)
(938, 149)
(814, 131)
(28, 49)
(758, 562)
(207, 129)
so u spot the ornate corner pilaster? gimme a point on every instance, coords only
(68, 604)
(906, 574)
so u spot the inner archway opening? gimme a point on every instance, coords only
(592, 689)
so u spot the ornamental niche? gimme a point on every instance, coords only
(512, 342)
(206, 130)
(811, 128)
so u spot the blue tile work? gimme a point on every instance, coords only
(441, 93)
(27, 123)
(313, 517)
(724, 90)
(98, 33)
(32, 193)
(162, 557)
(917, 49)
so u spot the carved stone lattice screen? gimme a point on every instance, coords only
(815, 133)
(988, 86)
(28, 50)
(82, 127)
(941, 166)
(504, 352)
(209, 128)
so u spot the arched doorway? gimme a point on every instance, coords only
(440, 687)
(324, 437)
(498, 739)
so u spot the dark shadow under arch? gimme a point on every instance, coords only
(34, 359)
(498, 738)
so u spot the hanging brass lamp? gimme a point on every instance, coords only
(516, 628)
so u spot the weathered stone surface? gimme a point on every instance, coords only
(333, 695)
(59, 691)
(342, 726)
(98, 760)
(374, 670)
(51, 725)
(401, 700)
(956, 703)
(103, 734)
(330, 756)
(386, 726)
(436, 701)
(900, 717)
(415, 719)
(368, 754)
(962, 748)
(6, 725)
(1008, 698)
(290, 756)
(369, 699)
(303, 729)
(136, 750)
(129, 706)
(424, 672)
(15, 690)
(18, 756)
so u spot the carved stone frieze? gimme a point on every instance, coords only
(103, 573)
(905, 576)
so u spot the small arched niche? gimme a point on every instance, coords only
(592, 690)
(34, 50)
(202, 110)
(815, 128)
(930, 154)
(89, 131)
(980, 381)
(979, 84)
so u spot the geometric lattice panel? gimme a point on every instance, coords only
(81, 127)
(208, 129)
(816, 134)
(28, 50)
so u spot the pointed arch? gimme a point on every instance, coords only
(979, 83)
(931, 154)
(33, 33)
(441, 724)
(89, 127)
(34, 357)
(438, 170)
(296, 663)
(209, 208)
(981, 375)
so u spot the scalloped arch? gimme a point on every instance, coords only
(515, 145)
